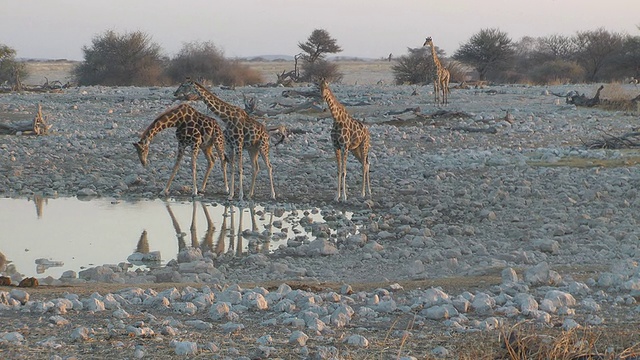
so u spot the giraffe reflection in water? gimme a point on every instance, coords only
(234, 232)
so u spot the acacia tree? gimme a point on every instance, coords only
(314, 50)
(10, 69)
(130, 59)
(596, 49)
(487, 50)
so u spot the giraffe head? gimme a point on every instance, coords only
(323, 84)
(143, 150)
(186, 90)
(428, 42)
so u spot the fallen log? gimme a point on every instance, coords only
(37, 126)
(251, 108)
(582, 100)
(629, 140)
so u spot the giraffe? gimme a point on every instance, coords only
(242, 132)
(347, 135)
(193, 129)
(441, 76)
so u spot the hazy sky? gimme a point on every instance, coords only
(58, 29)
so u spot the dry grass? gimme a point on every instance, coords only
(526, 340)
(355, 72)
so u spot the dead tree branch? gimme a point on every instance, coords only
(626, 141)
(37, 126)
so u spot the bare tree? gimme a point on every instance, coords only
(487, 50)
(596, 49)
(556, 47)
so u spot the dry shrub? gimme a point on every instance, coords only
(615, 91)
(557, 72)
(203, 60)
(615, 97)
(526, 340)
(238, 74)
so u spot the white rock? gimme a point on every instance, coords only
(254, 300)
(560, 298)
(219, 310)
(19, 295)
(526, 302)
(483, 303)
(509, 276)
(357, 341)
(186, 308)
(185, 348)
(81, 333)
(298, 338)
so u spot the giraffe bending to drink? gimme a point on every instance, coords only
(242, 132)
(347, 135)
(194, 130)
(440, 76)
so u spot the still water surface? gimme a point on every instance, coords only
(72, 234)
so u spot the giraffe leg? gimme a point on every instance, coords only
(194, 161)
(255, 167)
(365, 174)
(267, 162)
(344, 174)
(339, 162)
(174, 171)
(233, 173)
(208, 153)
(360, 154)
(223, 163)
(240, 188)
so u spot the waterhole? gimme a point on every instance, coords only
(45, 237)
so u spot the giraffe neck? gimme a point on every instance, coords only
(166, 120)
(436, 61)
(226, 112)
(337, 109)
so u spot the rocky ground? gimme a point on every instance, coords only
(476, 224)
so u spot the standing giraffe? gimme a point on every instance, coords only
(242, 131)
(193, 129)
(440, 75)
(347, 135)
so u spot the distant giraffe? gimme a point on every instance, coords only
(347, 135)
(194, 130)
(242, 131)
(441, 76)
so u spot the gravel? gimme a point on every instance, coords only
(519, 225)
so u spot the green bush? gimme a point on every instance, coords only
(9, 67)
(130, 59)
